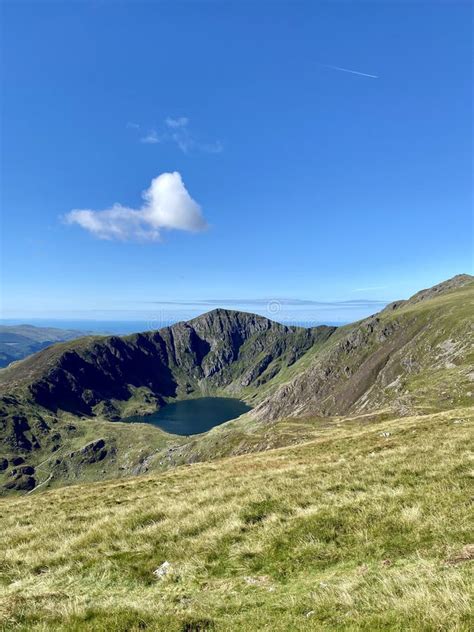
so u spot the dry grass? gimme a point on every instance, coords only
(355, 530)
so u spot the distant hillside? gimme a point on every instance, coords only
(19, 341)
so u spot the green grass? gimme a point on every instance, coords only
(360, 527)
(130, 447)
(417, 358)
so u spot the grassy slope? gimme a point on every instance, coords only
(362, 527)
(129, 449)
(426, 365)
(438, 363)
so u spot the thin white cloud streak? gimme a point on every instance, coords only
(167, 205)
(151, 138)
(282, 302)
(352, 72)
(174, 123)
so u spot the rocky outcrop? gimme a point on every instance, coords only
(20, 483)
(20, 432)
(93, 452)
(340, 376)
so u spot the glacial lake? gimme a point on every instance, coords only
(193, 416)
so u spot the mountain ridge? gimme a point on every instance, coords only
(56, 407)
(175, 361)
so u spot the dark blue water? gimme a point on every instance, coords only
(193, 416)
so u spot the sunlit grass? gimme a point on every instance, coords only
(359, 528)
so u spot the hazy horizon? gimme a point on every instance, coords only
(297, 151)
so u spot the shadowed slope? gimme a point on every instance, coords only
(219, 350)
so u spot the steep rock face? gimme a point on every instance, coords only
(104, 370)
(337, 379)
(219, 350)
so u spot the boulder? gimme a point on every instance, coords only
(162, 570)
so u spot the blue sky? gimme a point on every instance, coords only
(289, 178)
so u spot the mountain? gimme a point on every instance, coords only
(48, 401)
(218, 351)
(414, 357)
(19, 341)
(340, 502)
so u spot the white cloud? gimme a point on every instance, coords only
(167, 205)
(174, 123)
(151, 138)
(177, 130)
(183, 139)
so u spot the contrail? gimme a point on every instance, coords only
(353, 72)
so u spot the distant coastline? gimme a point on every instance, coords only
(122, 327)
